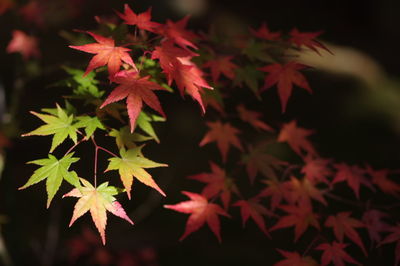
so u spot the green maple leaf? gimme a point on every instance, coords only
(131, 164)
(83, 85)
(257, 51)
(249, 75)
(90, 124)
(144, 123)
(60, 125)
(125, 139)
(54, 171)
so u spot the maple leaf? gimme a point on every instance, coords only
(353, 175)
(249, 75)
(24, 44)
(189, 79)
(285, 76)
(264, 33)
(380, 178)
(296, 137)
(373, 221)
(253, 118)
(125, 139)
(224, 134)
(131, 164)
(257, 51)
(201, 211)
(136, 90)
(217, 184)
(307, 39)
(221, 65)
(142, 20)
(61, 125)
(301, 192)
(252, 208)
(301, 217)
(258, 160)
(394, 236)
(144, 123)
(295, 259)
(169, 55)
(97, 200)
(334, 253)
(106, 54)
(176, 32)
(90, 124)
(276, 190)
(54, 171)
(316, 170)
(343, 225)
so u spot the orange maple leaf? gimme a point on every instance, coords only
(106, 54)
(201, 211)
(224, 134)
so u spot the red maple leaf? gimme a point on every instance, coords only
(217, 184)
(343, 225)
(295, 259)
(168, 55)
(258, 160)
(24, 44)
(302, 192)
(296, 137)
(334, 253)
(394, 236)
(106, 54)
(136, 90)
(285, 76)
(142, 20)
(224, 134)
(317, 170)
(176, 32)
(381, 179)
(221, 64)
(301, 217)
(253, 118)
(201, 211)
(276, 190)
(252, 208)
(307, 39)
(264, 33)
(353, 175)
(373, 221)
(189, 79)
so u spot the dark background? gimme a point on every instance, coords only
(347, 130)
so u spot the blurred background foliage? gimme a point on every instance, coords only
(355, 110)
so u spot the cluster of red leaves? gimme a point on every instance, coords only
(173, 53)
(291, 196)
(292, 193)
